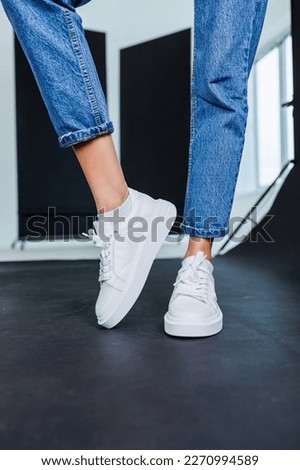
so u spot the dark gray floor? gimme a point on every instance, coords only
(67, 384)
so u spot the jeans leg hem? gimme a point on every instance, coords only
(72, 138)
(203, 233)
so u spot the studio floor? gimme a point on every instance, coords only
(67, 384)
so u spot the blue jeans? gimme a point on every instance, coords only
(226, 37)
(52, 37)
(227, 33)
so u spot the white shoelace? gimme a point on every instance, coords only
(193, 280)
(105, 254)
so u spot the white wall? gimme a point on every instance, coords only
(277, 23)
(8, 154)
(125, 23)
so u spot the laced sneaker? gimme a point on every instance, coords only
(127, 251)
(193, 308)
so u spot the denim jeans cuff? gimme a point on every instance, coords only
(83, 135)
(204, 233)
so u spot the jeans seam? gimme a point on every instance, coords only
(71, 138)
(77, 48)
(216, 232)
(192, 123)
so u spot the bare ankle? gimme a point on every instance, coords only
(197, 244)
(113, 199)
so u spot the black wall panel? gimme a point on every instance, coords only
(47, 175)
(155, 115)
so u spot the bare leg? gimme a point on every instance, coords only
(100, 164)
(199, 244)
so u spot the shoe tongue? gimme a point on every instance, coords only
(193, 259)
(198, 259)
(187, 261)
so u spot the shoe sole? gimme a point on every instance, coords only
(142, 266)
(193, 330)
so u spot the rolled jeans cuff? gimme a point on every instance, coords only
(75, 137)
(204, 233)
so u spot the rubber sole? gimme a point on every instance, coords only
(142, 265)
(193, 330)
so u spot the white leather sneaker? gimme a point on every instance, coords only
(128, 249)
(193, 308)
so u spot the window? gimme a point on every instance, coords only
(288, 97)
(273, 78)
(268, 117)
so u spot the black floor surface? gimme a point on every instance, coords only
(67, 384)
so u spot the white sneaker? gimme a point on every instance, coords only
(127, 254)
(193, 308)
